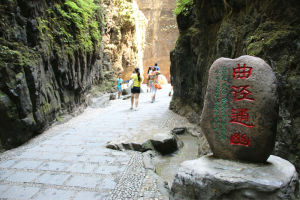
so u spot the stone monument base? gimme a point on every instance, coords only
(212, 178)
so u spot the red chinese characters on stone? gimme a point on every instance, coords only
(240, 139)
(242, 72)
(241, 117)
(241, 93)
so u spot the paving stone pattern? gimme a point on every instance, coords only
(70, 161)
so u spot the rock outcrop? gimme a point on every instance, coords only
(161, 33)
(51, 54)
(124, 36)
(160, 140)
(266, 29)
(209, 178)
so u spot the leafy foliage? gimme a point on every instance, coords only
(74, 25)
(15, 53)
(125, 13)
(183, 7)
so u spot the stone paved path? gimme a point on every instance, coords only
(70, 161)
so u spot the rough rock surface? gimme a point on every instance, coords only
(179, 130)
(45, 69)
(124, 36)
(161, 33)
(159, 140)
(240, 110)
(112, 97)
(211, 178)
(267, 29)
(51, 54)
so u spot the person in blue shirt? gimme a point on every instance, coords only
(156, 66)
(119, 85)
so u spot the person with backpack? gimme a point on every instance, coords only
(136, 90)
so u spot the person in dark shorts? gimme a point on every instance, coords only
(136, 90)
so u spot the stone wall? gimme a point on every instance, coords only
(161, 33)
(230, 28)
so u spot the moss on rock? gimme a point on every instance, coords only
(267, 29)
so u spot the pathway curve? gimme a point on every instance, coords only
(70, 161)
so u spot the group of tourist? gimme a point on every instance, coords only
(152, 84)
(152, 80)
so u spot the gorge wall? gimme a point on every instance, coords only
(52, 53)
(230, 28)
(124, 37)
(161, 33)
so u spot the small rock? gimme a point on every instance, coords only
(112, 97)
(126, 91)
(126, 97)
(179, 130)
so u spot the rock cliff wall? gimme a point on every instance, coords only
(161, 33)
(51, 54)
(230, 28)
(124, 37)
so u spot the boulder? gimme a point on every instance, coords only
(239, 117)
(112, 97)
(179, 130)
(160, 140)
(211, 178)
(100, 101)
(126, 91)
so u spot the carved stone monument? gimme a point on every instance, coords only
(239, 121)
(240, 109)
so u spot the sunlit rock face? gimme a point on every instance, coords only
(161, 33)
(124, 38)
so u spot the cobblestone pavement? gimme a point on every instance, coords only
(70, 161)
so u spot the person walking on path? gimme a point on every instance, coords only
(156, 66)
(171, 89)
(136, 90)
(148, 78)
(153, 82)
(119, 85)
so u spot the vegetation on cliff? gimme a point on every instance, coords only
(49, 58)
(52, 53)
(183, 7)
(73, 24)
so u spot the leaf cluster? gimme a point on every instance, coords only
(183, 7)
(74, 25)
